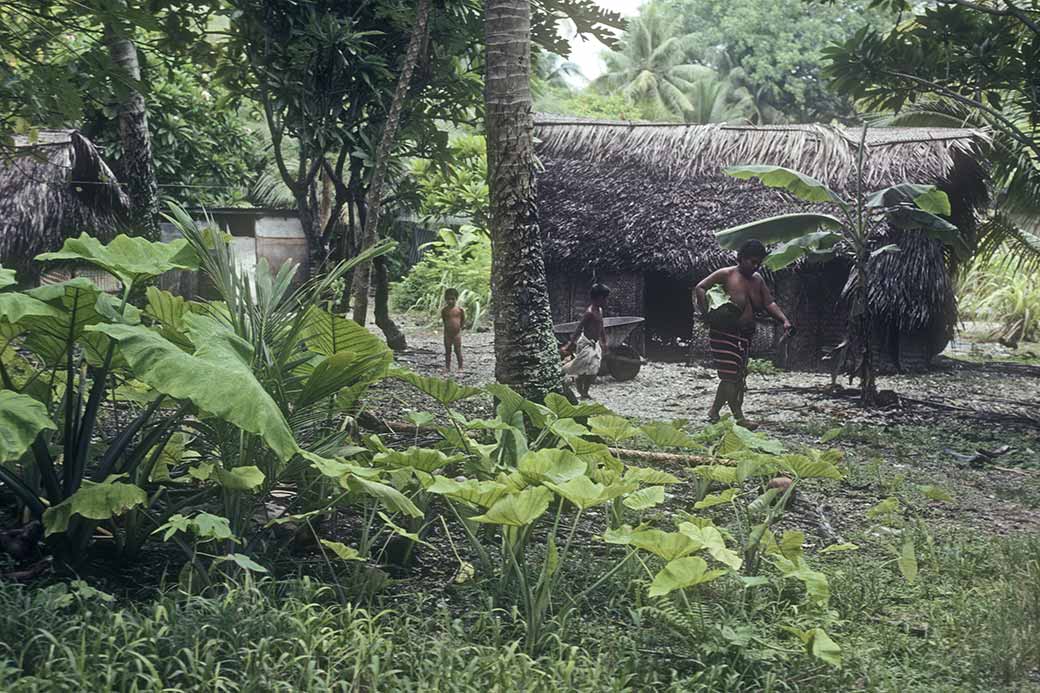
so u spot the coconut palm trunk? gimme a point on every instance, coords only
(525, 350)
(136, 142)
(362, 274)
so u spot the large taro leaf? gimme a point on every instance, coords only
(603, 467)
(95, 502)
(17, 307)
(128, 258)
(444, 391)
(510, 402)
(585, 493)
(423, 459)
(778, 229)
(563, 409)
(482, 494)
(817, 243)
(665, 435)
(76, 302)
(817, 588)
(7, 278)
(240, 478)
(800, 185)
(22, 418)
(217, 378)
(342, 551)
(667, 545)
(387, 495)
(567, 429)
(682, 573)
(645, 475)
(613, 428)
(551, 464)
(645, 498)
(711, 539)
(169, 311)
(813, 464)
(518, 509)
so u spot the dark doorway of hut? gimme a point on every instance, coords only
(669, 309)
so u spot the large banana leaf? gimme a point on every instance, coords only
(816, 242)
(217, 378)
(21, 420)
(128, 258)
(778, 229)
(926, 197)
(800, 185)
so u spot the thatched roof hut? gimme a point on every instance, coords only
(641, 202)
(54, 187)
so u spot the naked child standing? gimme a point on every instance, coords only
(453, 318)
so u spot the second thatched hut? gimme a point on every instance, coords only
(54, 186)
(637, 205)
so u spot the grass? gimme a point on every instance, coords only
(971, 623)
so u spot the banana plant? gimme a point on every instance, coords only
(860, 221)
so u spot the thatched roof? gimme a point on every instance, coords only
(54, 187)
(622, 196)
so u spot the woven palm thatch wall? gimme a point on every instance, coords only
(638, 197)
(55, 187)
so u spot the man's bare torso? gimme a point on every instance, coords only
(747, 293)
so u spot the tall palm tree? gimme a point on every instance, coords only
(653, 65)
(714, 100)
(136, 142)
(525, 349)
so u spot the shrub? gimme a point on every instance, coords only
(459, 260)
(996, 290)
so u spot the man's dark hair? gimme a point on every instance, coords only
(599, 291)
(752, 249)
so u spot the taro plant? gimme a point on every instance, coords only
(120, 411)
(861, 225)
(682, 564)
(57, 364)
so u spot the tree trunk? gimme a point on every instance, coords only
(374, 200)
(864, 326)
(134, 138)
(394, 337)
(526, 357)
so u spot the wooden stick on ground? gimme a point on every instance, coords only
(372, 423)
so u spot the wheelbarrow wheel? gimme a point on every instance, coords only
(623, 362)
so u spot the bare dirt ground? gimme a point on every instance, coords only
(942, 418)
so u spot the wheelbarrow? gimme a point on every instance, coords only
(622, 361)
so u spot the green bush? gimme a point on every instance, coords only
(459, 260)
(996, 290)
